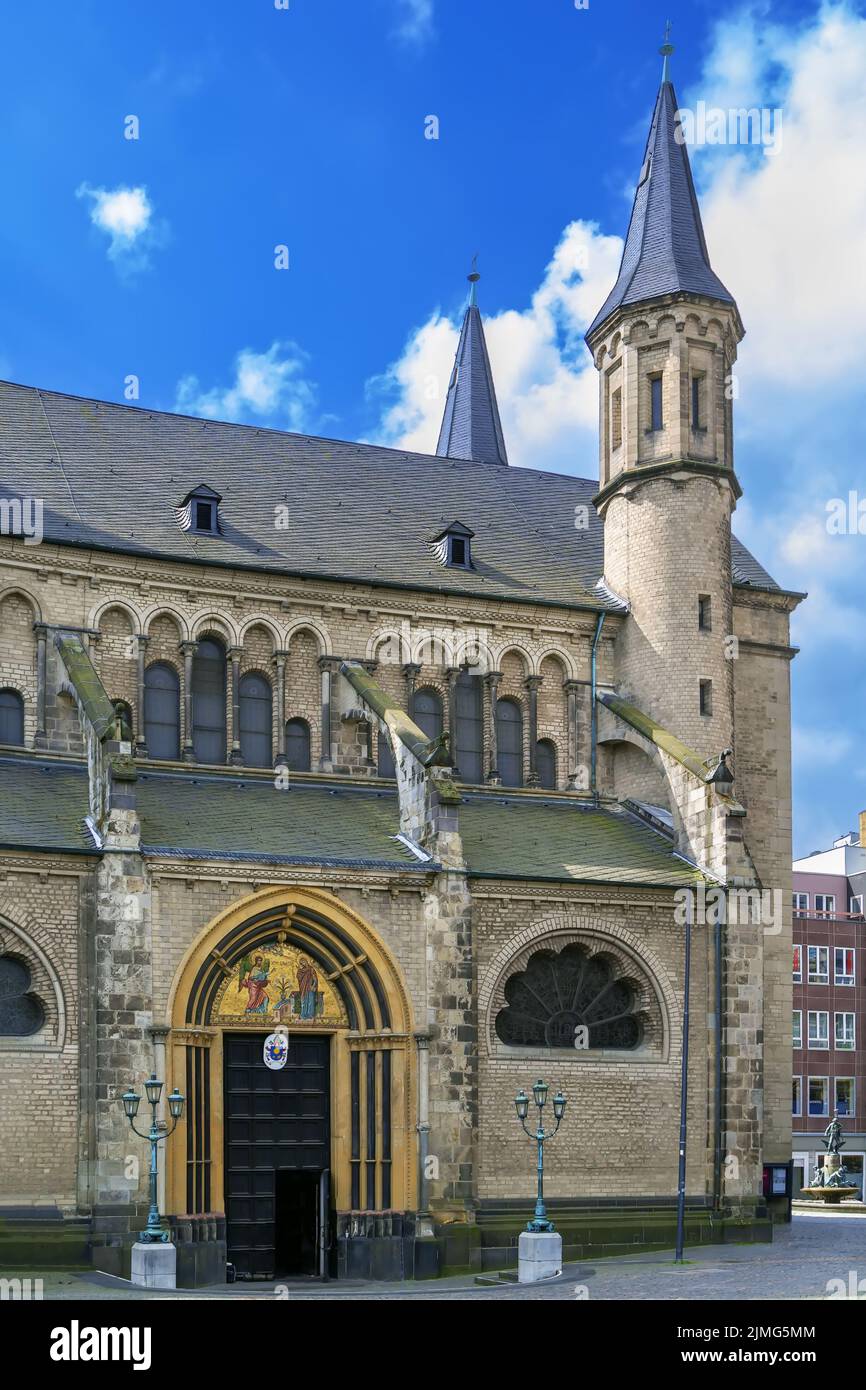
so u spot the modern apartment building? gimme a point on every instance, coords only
(829, 1026)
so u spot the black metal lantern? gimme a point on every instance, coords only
(540, 1090)
(521, 1104)
(131, 1102)
(722, 778)
(157, 1134)
(153, 1089)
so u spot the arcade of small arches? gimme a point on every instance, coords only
(209, 691)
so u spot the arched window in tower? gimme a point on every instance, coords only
(470, 724)
(162, 711)
(21, 1013)
(428, 712)
(298, 745)
(545, 763)
(209, 701)
(11, 718)
(509, 743)
(557, 993)
(256, 719)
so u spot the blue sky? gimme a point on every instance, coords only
(305, 127)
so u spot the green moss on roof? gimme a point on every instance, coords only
(43, 805)
(662, 738)
(427, 751)
(516, 837)
(89, 688)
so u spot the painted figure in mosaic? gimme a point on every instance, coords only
(308, 984)
(254, 978)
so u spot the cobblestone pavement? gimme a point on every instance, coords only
(800, 1264)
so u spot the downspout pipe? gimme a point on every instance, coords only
(594, 714)
(717, 1165)
(684, 1087)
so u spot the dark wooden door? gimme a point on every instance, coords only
(274, 1121)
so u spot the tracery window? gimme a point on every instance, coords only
(297, 745)
(509, 742)
(256, 719)
(209, 701)
(556, 993)
(470, 725)
(11, 717)
(162, 710)
(545, 763)
(21, 1013)
(427, 712)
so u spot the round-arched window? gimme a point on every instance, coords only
(21, 1013)
(558, 992)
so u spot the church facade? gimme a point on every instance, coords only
(425, 759)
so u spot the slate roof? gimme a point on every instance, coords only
(214, 816)
(665, 250)
(110, 477)
(471, 428)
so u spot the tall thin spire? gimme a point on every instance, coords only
(665, 251)
(473, 277)
(471, 428)
(666, 50)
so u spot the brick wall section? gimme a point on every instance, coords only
(18, 656)
(763, 766)
(620, 1134)
(114, 656)
(39, 1076)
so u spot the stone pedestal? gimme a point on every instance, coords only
(154, 1266)
(539, 1256)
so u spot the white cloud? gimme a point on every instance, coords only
(268, 386)
(786, 228)
(545, 382)
(819, 746)
(126, 217)
(415, 24)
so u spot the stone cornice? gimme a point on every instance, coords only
(684, 470)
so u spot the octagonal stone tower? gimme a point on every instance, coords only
(664, 344)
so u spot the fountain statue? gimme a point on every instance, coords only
(831, 1183)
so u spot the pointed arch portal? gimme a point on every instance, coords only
(286, 1153)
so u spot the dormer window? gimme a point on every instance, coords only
(204, 516)
(199, 511)
(453, 546)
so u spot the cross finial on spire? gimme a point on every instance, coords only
(473, 277)
(666, 49)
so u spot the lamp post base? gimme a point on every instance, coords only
(539, 1256)
(154, 1266)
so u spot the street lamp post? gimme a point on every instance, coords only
(521, 1105)
(154, 1231)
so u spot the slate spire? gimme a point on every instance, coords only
(665, 251)
(471, 428)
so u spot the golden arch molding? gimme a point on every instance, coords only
(360, 1003)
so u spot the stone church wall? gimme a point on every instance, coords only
(619, 1137)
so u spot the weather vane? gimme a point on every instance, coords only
(666, 49)
(473, 277)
